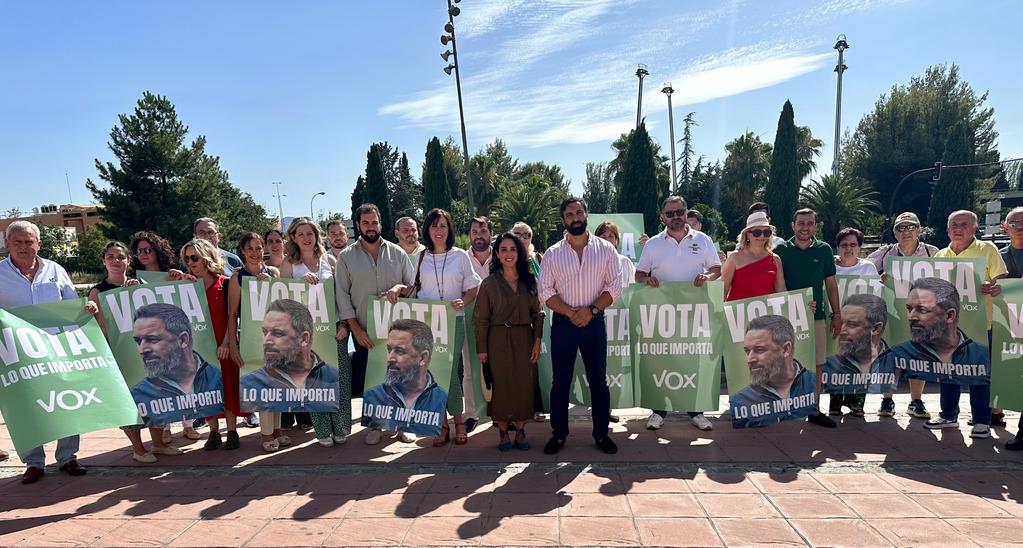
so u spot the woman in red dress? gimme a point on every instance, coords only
(754, 270)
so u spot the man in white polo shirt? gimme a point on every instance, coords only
(678, 254)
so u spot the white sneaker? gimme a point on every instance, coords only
(655, 422)
(701, 422)
(326, 442)
(144, 458)
(340, 439)
(168, 450)
(980, 431)
(405, 437)
(939, 422)
(373, 437)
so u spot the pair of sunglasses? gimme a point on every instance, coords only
(675, 213)
(905, 228)
(758, 232)
(193, 258)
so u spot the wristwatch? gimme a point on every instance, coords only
(595, 311)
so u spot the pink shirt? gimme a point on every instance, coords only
(580, 283)
(482, 269)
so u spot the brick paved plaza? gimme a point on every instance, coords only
(866, 483)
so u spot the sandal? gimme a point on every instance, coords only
(505, 444)
(442, 440)
(520, 440)
(190, 433)
(461, 437)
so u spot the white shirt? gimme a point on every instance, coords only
(863, 267)
(323, 272)
(51, 283)
(445, 276)
(628, 271)
(669, 260)
(580, 283)
(482, 269)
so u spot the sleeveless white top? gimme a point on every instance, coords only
(324, 272)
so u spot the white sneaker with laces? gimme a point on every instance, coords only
(939, 422)
(655, 422)
(701, 422)
(325, 442)
(373, 437)
(340, 439)
(980, 431)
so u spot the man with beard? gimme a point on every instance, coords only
(409, 396)
(337, 235)
(173, 370)
(291, 363)
(580, 276)
(407, 233)
(939, 350)
(780, 387)
(371, 267)
(856, 369)
(809, 262)
(680, 253)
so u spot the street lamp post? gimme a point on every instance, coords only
(841, 45)
(641, 71)
(312, 215)
(668, 90)
(280, 209)
(455, 64)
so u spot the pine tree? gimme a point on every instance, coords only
(436, 190)
(954, 190)
(782, 191)
(376, 187)
(406, 194)
(161, 184)
(639, 184)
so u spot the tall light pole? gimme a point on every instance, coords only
(456, 65)
(312, 216)
(280, 209)
(841, 45)
(641, 71)
(668, 90)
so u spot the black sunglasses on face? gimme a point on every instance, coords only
(758, 232)
(193, 258)
(675, 213)
(905, 228)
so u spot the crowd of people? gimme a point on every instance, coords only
(511, 284)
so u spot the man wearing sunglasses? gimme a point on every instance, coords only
(208, 230)
(907, 237)
(678, 254)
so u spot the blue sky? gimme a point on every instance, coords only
(297, 91)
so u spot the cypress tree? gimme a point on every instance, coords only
(782, 193)
(638, 193)
(436, 189)
(954, 190)
(358, 197)
(376, 188)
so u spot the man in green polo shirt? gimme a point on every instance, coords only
(809, 262)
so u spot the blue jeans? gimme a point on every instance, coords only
(66, 449)
(591, 343)
(980, 398)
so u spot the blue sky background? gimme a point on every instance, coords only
(297, 91)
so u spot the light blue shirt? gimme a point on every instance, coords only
(51, 283)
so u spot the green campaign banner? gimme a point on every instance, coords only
(409, 366)
(151, 276)
(545, 366)
(288, 346)
(769, 358)
(630, 229)
(474, 366)
(162, 339)
(619, 375)
(967, 275)
(1007, 354)
(956, 282)
(854, 364)
(58, 376)
(676, 347)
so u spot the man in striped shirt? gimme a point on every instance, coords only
(580, 276)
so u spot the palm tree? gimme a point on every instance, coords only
(840, 203)
(808, 147)
(747, 167)
(483, 171)
(533, 200)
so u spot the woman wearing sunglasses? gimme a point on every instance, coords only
(205, 262)
(754, 270)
